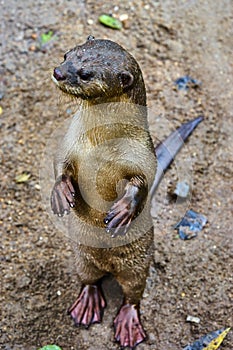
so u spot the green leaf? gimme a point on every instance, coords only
(50, 347)
(45, 37)
(24, 177)
(110, 21)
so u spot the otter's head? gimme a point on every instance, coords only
(99, 71)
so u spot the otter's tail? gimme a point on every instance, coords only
(168, 149)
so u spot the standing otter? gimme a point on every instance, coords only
(112, 142)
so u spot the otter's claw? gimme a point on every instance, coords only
(62, 197)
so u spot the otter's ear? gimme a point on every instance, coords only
(126, 79)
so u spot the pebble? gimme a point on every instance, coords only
(182, 189)
(32, 48)
(90, 22)
(34, 36)
(152, 337)
(193, 319)
(123, 17)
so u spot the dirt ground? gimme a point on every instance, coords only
(169, 39)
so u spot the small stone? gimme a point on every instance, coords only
(193, 319)
(90, 22)
(152, 337)
(123, 17)
(34, 36)
(182, 189)
(32, 48)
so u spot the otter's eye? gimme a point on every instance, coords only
(86, 75)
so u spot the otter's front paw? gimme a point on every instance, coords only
(62, 197)
(122, 213)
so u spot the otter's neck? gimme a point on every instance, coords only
(97, 101)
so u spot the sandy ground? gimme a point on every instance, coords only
(38, 278)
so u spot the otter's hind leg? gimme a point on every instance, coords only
(90, 304)
(128, 328)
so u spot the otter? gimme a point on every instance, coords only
(110, 138)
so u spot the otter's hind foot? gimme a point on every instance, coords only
(89, 306)
(128, 329)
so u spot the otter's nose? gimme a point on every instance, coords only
(58, 74)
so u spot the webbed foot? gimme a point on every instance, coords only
(89, 306)
(128, 329)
